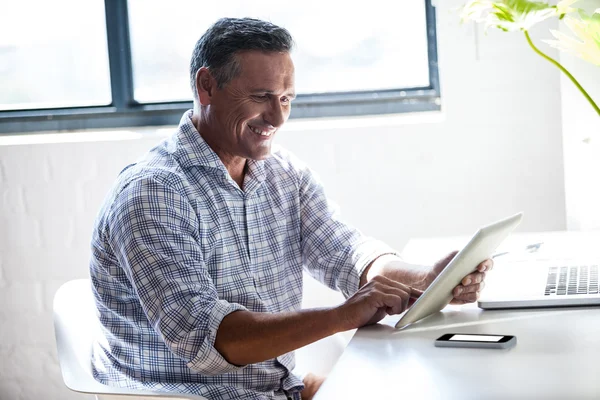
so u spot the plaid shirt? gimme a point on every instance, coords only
(178, 245)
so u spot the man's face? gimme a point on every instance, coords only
(249, 110)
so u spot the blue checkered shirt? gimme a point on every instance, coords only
(177, 246)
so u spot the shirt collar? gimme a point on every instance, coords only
(190, 149)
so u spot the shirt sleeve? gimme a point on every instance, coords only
(154, 232)
(333, 252)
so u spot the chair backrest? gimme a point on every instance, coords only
(75, 327)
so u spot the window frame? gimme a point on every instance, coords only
(124, 111)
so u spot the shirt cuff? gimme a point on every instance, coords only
(368, 253)
(209, 361)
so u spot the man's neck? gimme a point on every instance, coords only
(237, 170)
(235, 165)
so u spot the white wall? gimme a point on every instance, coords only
(495, 150)
(581, 138)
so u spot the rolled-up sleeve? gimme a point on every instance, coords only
(154, 232)
(333, 252)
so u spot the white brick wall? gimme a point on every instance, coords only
(496, 150)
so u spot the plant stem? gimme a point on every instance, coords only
(563, 69)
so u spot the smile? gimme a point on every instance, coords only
(261, 132)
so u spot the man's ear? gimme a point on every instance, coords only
(205, 86)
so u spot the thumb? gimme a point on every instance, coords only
(440, 265)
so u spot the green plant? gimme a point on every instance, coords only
(521, 15)
(586, 29)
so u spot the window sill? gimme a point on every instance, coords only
(293, 125)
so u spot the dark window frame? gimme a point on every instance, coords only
(125, 111)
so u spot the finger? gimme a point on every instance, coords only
(474, 278)
(384, 284)
(467, 297)
(392, 283)
(390, 296)
(460, 289)
(415, 293)
(394, 291)
(395, 304)
(486, 265)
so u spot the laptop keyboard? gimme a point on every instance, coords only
(572, 280)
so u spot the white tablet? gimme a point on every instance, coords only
(480, 247)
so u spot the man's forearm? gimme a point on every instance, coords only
(378, 267)
(246, 337)
(391, 266)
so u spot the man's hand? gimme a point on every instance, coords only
(381, 296)
(470, 287)
(420, 277)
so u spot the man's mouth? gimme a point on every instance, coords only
(260, 131)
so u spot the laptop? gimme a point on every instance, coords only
(543, 283)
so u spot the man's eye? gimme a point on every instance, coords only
(260, 97)
(286, 100)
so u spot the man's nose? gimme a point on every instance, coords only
(276, 115)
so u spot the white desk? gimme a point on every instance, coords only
(557, 354)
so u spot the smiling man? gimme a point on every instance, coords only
(199, 248)
(240, 120)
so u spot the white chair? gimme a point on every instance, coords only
(75, 324)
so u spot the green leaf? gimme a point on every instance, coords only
(513, 15)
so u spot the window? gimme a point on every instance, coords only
(61, 61)
(117, 63)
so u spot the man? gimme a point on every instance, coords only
(199, 248)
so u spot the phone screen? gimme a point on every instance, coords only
(476, 338)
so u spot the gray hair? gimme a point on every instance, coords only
(217, 47)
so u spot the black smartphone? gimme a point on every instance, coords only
(476, 341)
